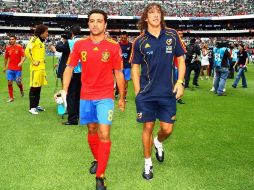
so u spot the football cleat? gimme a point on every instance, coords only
(148, 172)
(33, 111)
(94, 166)
(39, 108)
(159, 151)
(10, 100)
(100, 183)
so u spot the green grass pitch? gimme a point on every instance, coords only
(212, 147)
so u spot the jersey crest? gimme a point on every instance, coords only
(105, 56)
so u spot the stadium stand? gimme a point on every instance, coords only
(179, 8)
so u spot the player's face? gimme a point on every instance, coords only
(44, 35)
(124, 38)
(12, 41)
(96, 24)
(154, 17)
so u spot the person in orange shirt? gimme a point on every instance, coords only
(13, 60)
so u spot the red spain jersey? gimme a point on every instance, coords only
(14, 54)
(98, 61)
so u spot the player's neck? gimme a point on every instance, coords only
(98, 38)
(155, 31)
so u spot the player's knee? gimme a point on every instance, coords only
(104, 136)
(9, 82)
(168, 130)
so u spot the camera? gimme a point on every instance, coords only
(221, 44)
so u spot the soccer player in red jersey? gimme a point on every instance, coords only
(99, 56)
(14, 58)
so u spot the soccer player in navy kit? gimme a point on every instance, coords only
(126, 51)
(155, 90)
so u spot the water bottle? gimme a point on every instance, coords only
(60, 104)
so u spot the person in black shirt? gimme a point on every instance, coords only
(192, 62)
(242, 64)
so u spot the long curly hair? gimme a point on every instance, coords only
(142, 24)
(40, 29)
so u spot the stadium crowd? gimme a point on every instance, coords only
(181, 8)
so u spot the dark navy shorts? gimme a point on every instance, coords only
(163, 109)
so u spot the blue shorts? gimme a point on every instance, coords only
(96, 111)
(163, 109)
(13, 75)
(127, 73)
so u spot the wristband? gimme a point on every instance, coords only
(180, 81)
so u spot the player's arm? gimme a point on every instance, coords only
(179, 53)
(67, 77)
(247, 59)
(120, 84)
(5, 64)
(178, 88)
(23, 58)
(135, 75)
(29, 55)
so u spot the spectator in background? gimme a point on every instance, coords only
(126, 52)
(233, 58)
(14, 58)
(35, 52)
(221, 67)
(63, 47)
(242, 65)
(192, 62)
(205, 62)
(73, 95)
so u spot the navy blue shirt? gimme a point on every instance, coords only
(155, 55)
(126, 52)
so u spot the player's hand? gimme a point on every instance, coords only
(36, 63)
(121, 104)
(4, 70)
(63, 95)
(178, 89)
(20, 64)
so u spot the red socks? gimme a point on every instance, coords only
(10, 89)
(93, 141)
(103, 155)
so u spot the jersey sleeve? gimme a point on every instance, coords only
(117, 58)
(180, 47)
(75, 56)
(136, 55)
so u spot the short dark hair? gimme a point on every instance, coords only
(193, 40)
(98, 11)
(124, 33)
(13, 36)
(64, 36)
(40, 29)
(76, 29)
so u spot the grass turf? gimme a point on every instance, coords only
(211, 147)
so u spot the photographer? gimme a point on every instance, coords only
(73, 95)
(63, 47)
(221, 66)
